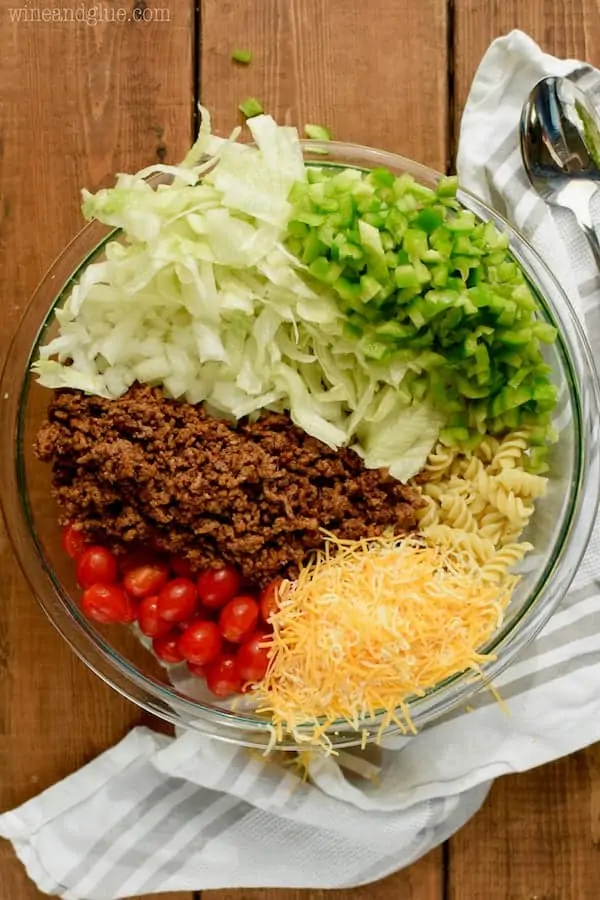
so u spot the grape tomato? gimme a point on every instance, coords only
(149, 621)
(238, 618)
(166, 648)
(133, 559)
(178, 600)
(73, 541)
(201, 642)
(252, 659)
(146, 580)
(217, 586)
(223, 677)
(181, 567)
(96, 565)
(107, 604)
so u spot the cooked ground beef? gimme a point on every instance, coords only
(144, 468)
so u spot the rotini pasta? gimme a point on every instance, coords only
(505, 500)
(461, 541)
(439, 462)
(511, 451)
(487, 449)
(479, 503)
(429, 514)
(525, 484)
(455, 512)
(496, 568)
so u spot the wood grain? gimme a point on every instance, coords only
(567, 29)
(538, 834)
(365, 76)
(80, 102)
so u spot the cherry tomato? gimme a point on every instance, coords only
(107, 603)
(252, 659)
(149, 621)
(97, 565)
(269, 600)
(223, 677)
(144, 581)
(217, 586)
(182, 567)
(166, 647)
(178, 600)
(136, 558)
(238, 618)
(73, 541)
(196, 671)
(201, 642)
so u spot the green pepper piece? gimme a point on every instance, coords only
(544, 332)
(325, 271)
(447, 186)
(251, 107)
(428, 220)
(242, 56)
(313, 248)
(406, 277)
(317, 132)
(414, 243)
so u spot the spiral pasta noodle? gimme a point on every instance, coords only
(480, 503)
(440, 462)
(496, 568)
(450, 538)
(511, 451)
(506, 501)
(455, 512)
(428, 515)
(524, 484)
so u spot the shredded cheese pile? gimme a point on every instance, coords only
(371, 623)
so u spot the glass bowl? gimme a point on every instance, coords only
(559, 529)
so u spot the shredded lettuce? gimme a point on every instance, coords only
(199, 294)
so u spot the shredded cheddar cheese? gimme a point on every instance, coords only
(370, 624)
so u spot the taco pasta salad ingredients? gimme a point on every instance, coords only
(301, 420)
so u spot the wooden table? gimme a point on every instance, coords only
(83, 101)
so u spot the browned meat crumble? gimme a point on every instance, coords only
(145, 469)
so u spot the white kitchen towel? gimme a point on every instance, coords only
(158, 814)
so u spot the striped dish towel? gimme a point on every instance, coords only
(158, 814)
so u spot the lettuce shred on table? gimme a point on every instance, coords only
(198, 294)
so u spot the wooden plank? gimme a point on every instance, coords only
(80, 102)
(566, 29)
(537, 835)
(376, 78)
(367, 78)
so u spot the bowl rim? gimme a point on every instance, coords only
(170, 704)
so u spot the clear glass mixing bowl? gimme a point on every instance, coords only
(559, 530)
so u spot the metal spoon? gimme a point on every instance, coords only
(560, 146)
